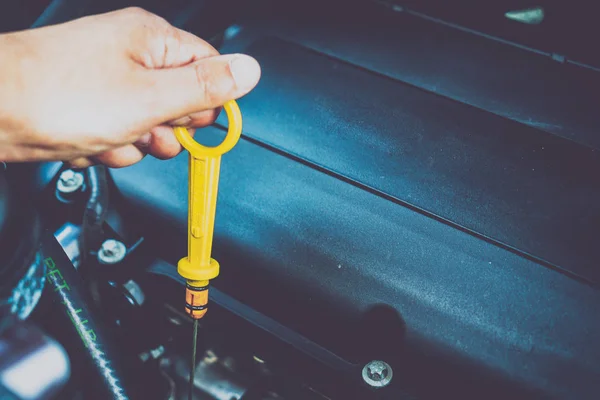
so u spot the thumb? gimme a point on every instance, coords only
(204, 85)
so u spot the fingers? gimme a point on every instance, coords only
(157, 44)
(163, 144)
(203, 85)
(121, 157)
(173, 49)
(82, 162)
(160, 142)
(198, 120)
(117, 158)
(197, 48)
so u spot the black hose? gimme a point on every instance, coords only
(86, 338)
(95, 211)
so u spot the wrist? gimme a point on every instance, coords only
(13, 53)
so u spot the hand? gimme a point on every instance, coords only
(107, 88)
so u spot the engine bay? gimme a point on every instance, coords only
(410, 213)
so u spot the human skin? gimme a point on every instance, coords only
(108, 89)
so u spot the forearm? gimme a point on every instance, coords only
(20, 70)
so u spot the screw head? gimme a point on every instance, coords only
(135, 291)
(377, 374)
(111, 252)
(69, 181)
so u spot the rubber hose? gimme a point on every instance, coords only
(86, 338)
(95, 211)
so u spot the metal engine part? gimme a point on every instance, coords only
(32, 366)
(214, 379)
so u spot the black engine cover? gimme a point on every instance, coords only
(382, 216)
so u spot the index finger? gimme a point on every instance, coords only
(159, 45)
(198, 48)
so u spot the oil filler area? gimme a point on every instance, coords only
(407, 206)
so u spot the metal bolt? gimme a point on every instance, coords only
(69, 181)
(377, 374)
(210, 357)
(154, 354)
(135, 291)
(157, 352)
(112, 252)
(258, 359)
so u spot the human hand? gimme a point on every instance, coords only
(108, 88)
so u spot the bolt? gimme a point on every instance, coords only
(377, 374)
(69, 181)
(135, 291)
(258, 359)
(157, 352)
(377, 371)
(153, 353)
(210, 357)
(112, 252)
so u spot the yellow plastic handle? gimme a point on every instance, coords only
(233, 135)
(204, 168)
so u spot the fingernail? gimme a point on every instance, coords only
(144, 140)
(246, 71)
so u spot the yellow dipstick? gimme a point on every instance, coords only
(198, 268)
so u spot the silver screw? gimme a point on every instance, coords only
(377, 374)
(69, 181)
(157, 352)
(154, 354)
(112, 252)
(135, 291)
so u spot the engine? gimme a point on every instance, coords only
(425, 232)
